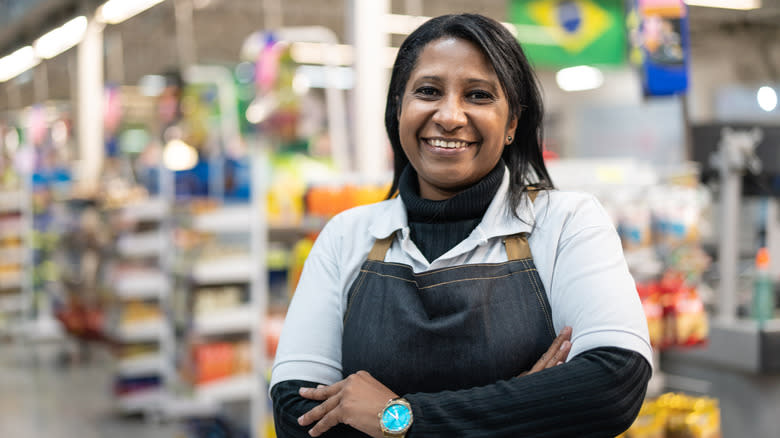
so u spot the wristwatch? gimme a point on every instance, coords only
(396, 418)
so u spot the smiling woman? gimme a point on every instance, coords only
(479, 302)
(454, 118)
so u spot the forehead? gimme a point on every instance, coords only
(453, 56)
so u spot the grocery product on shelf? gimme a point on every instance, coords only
(674, 415)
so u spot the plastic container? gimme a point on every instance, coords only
(763, 307)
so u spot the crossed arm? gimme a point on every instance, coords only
(598, 393)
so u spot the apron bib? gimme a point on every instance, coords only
(446, 329)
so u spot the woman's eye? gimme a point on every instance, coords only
(427, 91)
(480, 95)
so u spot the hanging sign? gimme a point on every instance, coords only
(663, 45)
(565, 33)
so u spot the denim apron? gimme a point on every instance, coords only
(446, 329)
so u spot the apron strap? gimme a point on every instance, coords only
(379, 250)
(517, 245)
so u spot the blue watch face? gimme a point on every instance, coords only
(396, 417)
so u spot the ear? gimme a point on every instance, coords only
(511, 127)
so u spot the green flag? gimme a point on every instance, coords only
(565, 33)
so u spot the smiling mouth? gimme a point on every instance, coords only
(448, 144)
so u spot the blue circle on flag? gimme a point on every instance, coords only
(569, 15)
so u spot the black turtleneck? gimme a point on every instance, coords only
(437, 226)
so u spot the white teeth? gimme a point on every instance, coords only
(448, 144)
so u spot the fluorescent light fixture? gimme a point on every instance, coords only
(61, 39)
(178, 155)
(726, 4)
(17, 63)
(767, 98)
(579, 78)
(117, 11)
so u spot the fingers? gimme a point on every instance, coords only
(328, 421)
(318, 412)
(556, 354)
(321, 392)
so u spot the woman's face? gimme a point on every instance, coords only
(454, 118)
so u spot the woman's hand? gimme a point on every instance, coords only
(555, 355)
(355, 401)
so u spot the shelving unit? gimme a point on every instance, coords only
(141, 285)
(12, 260)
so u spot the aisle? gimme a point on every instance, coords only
(39, 399)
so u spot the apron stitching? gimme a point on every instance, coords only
(475, 278)
(389, 276)
(544, 308)
(422, 274)
(354, 295)
(434, 271)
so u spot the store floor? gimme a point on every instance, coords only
(44, 396)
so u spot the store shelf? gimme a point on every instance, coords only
(11, 303)
(228, 219)
(11, 281)
(232, 269)
(10, 227)
(235, 388)
(153, 209)
(145, 244)
(141, 401)
(226, 321)
(141, 331)
(146, 364)
(141, 284)
(10, 255)
(11, 202)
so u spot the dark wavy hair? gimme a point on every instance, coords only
(523, 156)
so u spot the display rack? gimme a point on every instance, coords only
(13, 256)
(138, 323)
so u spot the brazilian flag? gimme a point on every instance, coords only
(565, 33)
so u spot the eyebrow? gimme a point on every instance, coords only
(469, 80)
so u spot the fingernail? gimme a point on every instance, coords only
(300, 420)
(565, 345)
(320, 386)
(559, 362)
(303, 390)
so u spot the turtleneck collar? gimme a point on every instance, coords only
(468, 204)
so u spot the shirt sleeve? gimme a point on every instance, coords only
(591, 288)
(310, 343)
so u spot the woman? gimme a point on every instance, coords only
(431, 300)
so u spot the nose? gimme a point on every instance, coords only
(450, 114)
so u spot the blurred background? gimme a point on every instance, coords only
(165, 166)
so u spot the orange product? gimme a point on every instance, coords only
(214, 361)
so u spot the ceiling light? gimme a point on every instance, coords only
(117, 11)
(767, 98)
(726, 4)
(17, 63)
(579, 78)
(61, 39)
(178, 155)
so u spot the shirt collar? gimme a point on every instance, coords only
(497, 221)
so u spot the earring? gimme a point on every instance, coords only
(509, 138)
